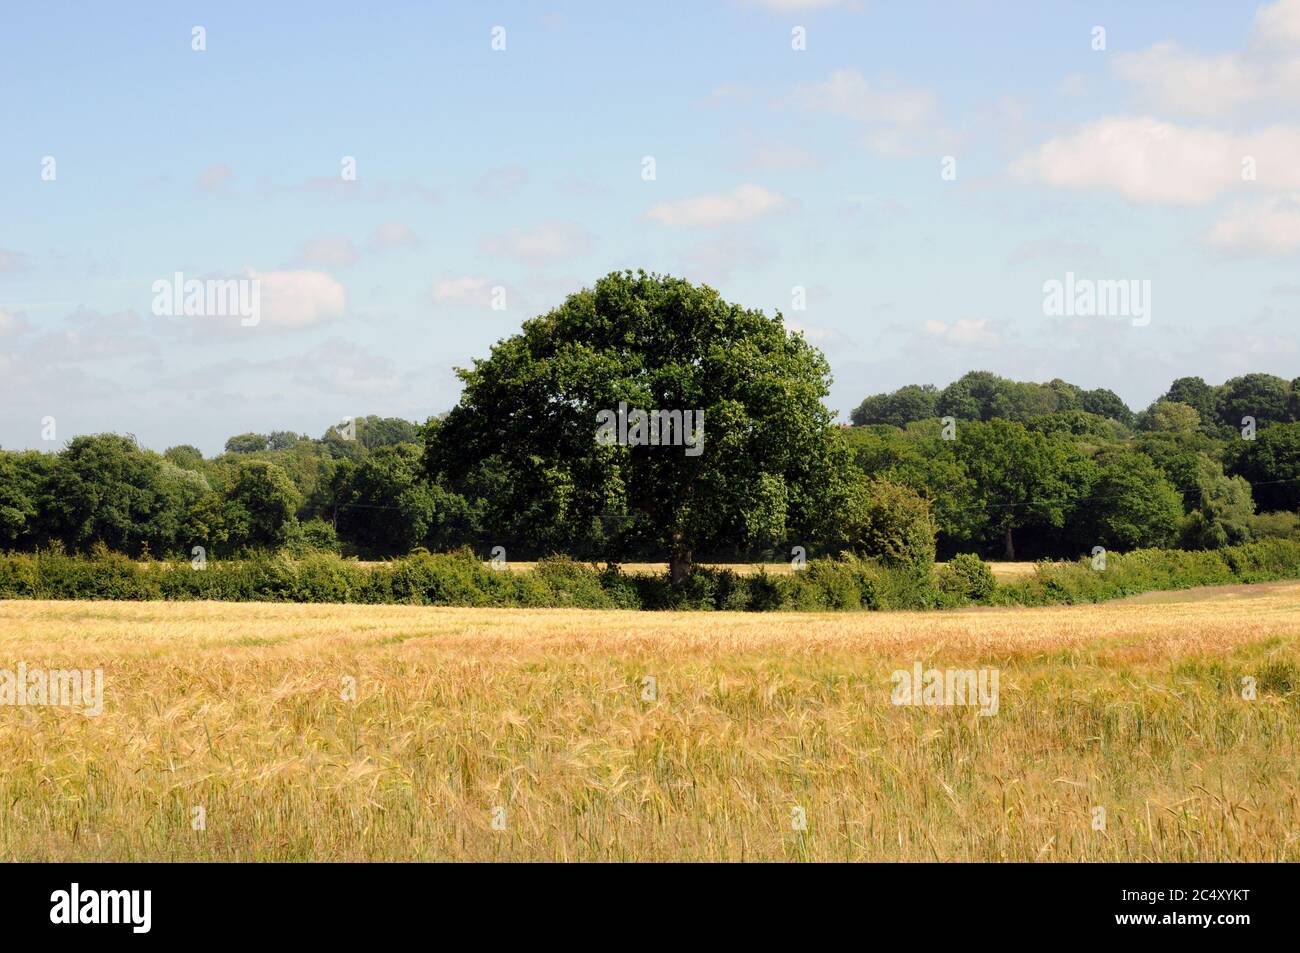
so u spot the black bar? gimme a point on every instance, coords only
(917, 904)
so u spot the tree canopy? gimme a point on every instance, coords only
(657, 344)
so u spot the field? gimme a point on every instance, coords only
(1002, 571)
(535, 735)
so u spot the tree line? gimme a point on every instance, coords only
(986, 465)
(1053, 469)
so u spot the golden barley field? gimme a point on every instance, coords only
(535, 735)
(1002, 571)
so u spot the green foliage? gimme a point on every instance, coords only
(315, 536)
(261, 506)
(106, 490)
(23, 477)
(1171, 417)
(186, 457)
(530, 411)
(1023, 478)
(883, 519)
(385, 507)
(909, 403)
(1132, 505)
(1200, 396)
(966, 578)
(1279, 525)
(1150, 570)
(460, 579)
(1224, 510)
(1078, 423)
(1106, 403)
(1264, 397)
(1271, 463)
(248, 443)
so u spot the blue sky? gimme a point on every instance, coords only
(521, 169)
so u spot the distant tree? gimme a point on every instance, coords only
(898, 409)
(1170, 417)
(385, 506)
(105, 489)
(185, 456)
(1022, 478)
(1106, 403)
(1077, 423)
(1198, 395)
(1023, 401)
(1131, 505)
(23, 477)
(261, 506)
(1068, 396)
(1263, 396)
(885, 520)
(1271, 462)
(1224, 510)
(210, 523)
(283, 440)
(972, 396)
(247, 443)
(375, 432)
(316, 535)
(1180, 457)
(921, 460)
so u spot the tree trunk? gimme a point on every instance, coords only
(1011, 546)
(679, 566)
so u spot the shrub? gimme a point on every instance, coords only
(572, 583)
(460, 579)
(966, 578)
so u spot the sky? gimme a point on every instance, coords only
(406, 183)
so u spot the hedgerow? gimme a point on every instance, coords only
(847, 583)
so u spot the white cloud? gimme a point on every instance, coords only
(1278, 25)
(466, 290)
(715, 260)
(1222, 84)
(777, 157)
(1148, 160)
(390, 235)
(214, 177)
(847, 93)
(1270, 228)
(550, 241)
(1217, 85)
(745, 203)
(798, 6)
(963, 331)
(728, 93)
(298, 299)
(12, 261)
(901, 120)
(502, 183)
(329, 252)
(9, 323)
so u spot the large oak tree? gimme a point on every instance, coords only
(529, 413)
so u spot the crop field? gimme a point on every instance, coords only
(1165, 727)
(1001, 570)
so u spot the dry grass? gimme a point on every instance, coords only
(1001, 570)
(237, 708)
